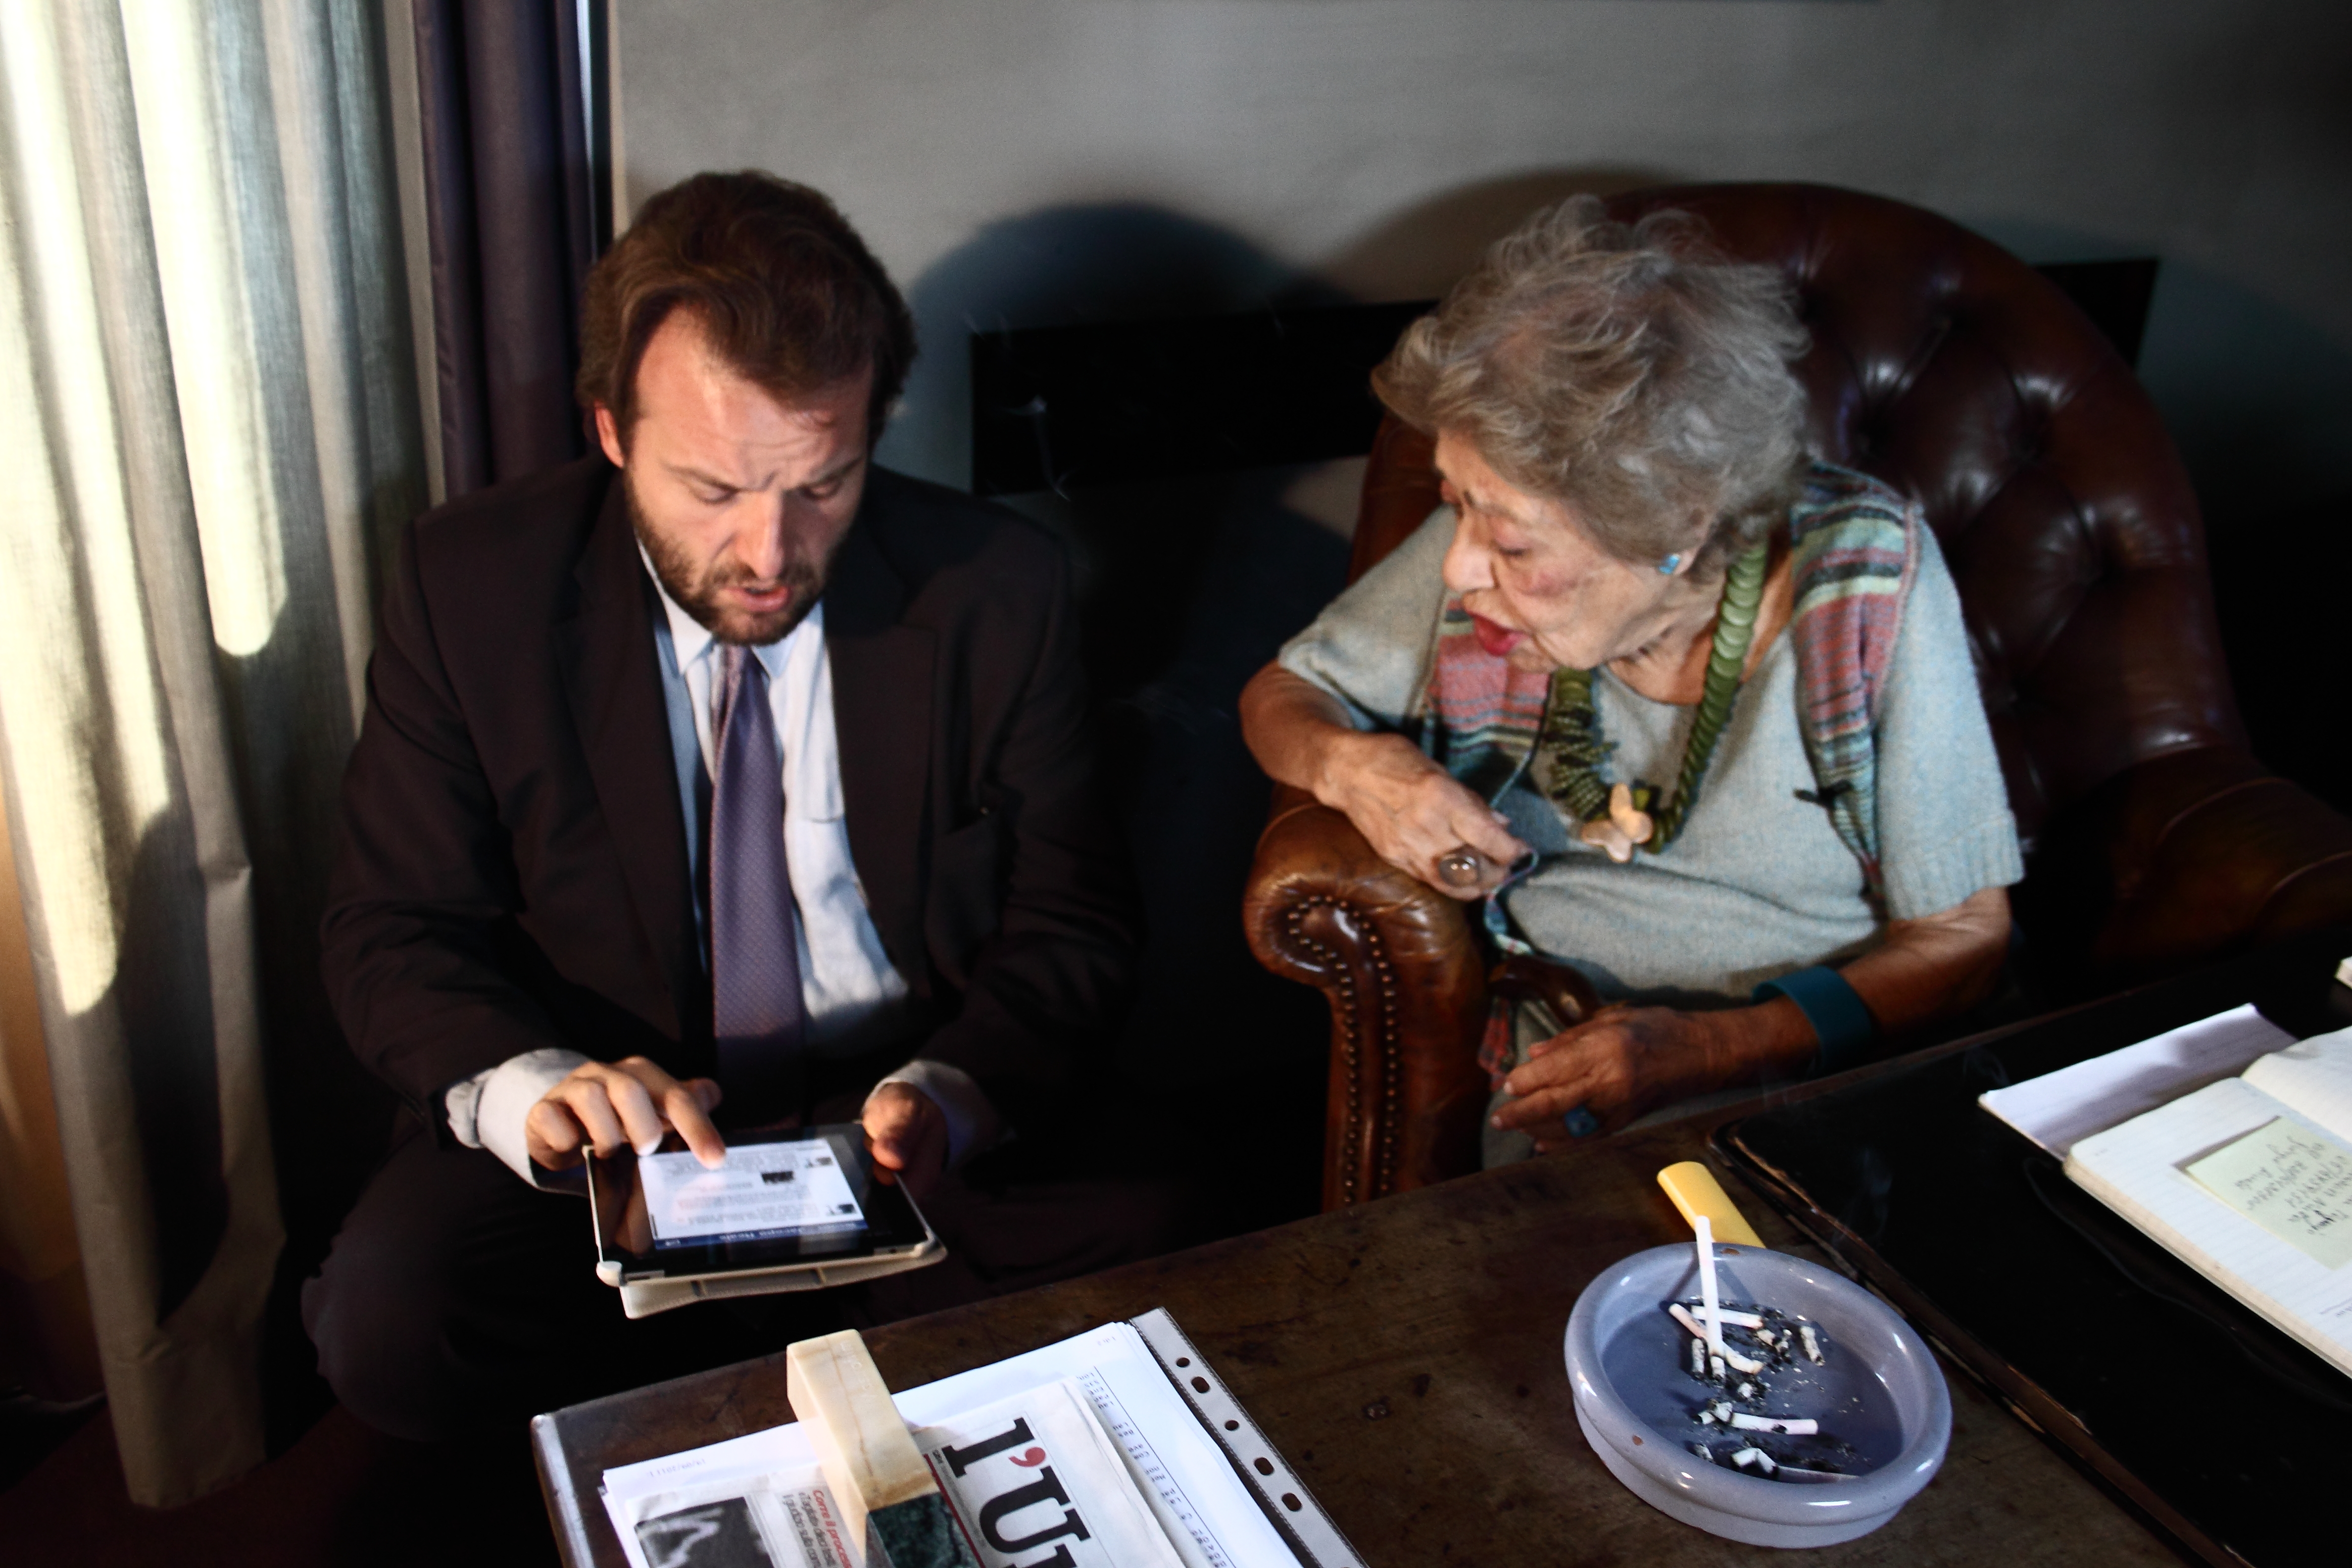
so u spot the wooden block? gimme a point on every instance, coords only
(1695, 1191)
(869, 1459)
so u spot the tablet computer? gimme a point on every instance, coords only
(790, 1210)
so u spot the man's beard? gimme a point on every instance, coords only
(698, 592)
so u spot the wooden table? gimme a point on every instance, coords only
(1405, 1356)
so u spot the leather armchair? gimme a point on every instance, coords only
(1955, 372)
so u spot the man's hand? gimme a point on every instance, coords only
(629, 1103)
(1413, 814)
(909, 1135)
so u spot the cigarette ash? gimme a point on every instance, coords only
(1764, 1351)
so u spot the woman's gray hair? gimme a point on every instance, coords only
(1630, 370)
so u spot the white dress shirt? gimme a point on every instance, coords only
(851, 993)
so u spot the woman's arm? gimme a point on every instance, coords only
(1629, 1061)
(1404, 805)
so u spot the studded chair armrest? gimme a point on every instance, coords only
(1402, 969)
(2185, 857)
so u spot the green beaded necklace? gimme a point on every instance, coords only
(1571, 725)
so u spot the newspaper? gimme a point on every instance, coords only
(766, 1484)
(1030, 1480)
(786, 1519)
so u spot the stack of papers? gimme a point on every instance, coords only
(1208, 1516)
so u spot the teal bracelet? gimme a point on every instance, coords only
(1840, 1021)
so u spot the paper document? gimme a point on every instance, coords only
(2176, 1173)
(2293, 1181)
(1206, 1514)
(2059, 1109)
(783, 1520)
(2314, 1076)
(764, 1191)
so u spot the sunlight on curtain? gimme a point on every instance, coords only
(54, 733)
(207, 436)
(198, 258)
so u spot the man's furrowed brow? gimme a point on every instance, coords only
(694, 476)
(841, 470)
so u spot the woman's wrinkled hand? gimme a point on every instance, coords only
(1413, 814)
(1617, 1064)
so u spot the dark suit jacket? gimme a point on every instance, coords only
(512, 872)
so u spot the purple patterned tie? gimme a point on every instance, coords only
(755, 967)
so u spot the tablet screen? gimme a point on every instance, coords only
(785, 1196)
(764, 1192)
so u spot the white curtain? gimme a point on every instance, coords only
(207, 433)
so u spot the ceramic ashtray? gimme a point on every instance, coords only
(1777, 1404)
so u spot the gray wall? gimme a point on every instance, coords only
(1024, 162)
(1374, 144)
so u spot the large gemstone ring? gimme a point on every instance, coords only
(1461, 867)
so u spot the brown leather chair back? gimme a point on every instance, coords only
(1948, 368)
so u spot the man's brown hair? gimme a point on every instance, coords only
(787, 293)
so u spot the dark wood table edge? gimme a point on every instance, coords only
(562, 1503)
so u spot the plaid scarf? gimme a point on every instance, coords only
(1855, 549)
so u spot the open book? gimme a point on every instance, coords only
(1122, 1465)
(2248, 1180)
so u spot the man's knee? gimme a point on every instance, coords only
(439, 1292)
(380, 1321)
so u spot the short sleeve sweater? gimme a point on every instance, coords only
(1759, 883)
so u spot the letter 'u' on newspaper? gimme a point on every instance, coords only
(1032, 1481)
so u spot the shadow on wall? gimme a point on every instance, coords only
(1120, 262)
(1187, 586)
(1419, 250)
(2259, 401)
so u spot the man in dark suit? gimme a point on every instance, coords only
(718, 779)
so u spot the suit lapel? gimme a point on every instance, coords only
(882, 716)
(606, 653)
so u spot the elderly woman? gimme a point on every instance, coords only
(1690, 711)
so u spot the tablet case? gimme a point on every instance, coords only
(643, 1298)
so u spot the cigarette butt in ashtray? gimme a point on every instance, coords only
(891, 1508)
(1699, 1194)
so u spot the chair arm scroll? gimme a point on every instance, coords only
(1401, 967)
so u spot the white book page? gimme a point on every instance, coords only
(1208, 1515)
(2314, 1076)
(2138, 1167)
(2058, 1108)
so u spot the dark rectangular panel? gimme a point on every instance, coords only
(2114, 294)
(1056, 406)
(1118, 402)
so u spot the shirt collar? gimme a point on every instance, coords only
(689, 639)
